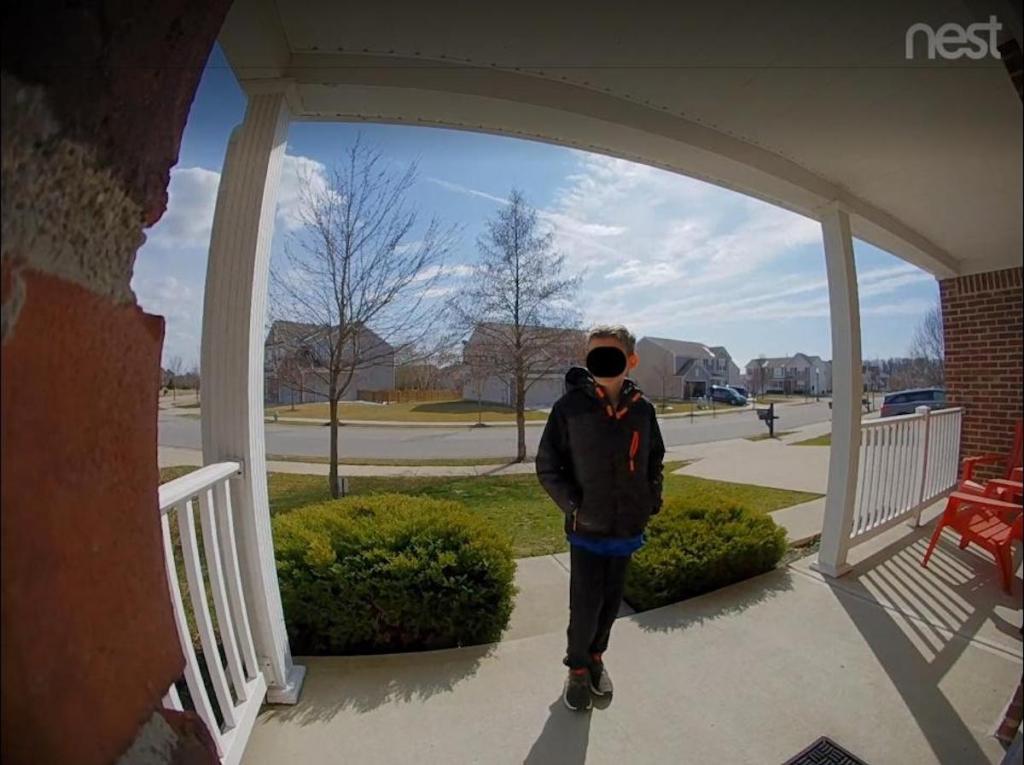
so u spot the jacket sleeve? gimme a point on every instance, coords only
(554, 464)
(656, 462)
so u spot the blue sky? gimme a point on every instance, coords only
(665, 255)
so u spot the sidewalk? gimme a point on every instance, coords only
(171, 456)
(320, 421)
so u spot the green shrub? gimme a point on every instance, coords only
(391, 572)
(692, 551)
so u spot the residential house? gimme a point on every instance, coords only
(800, 373)
(682, 369)
(296, 366)
(488, 356)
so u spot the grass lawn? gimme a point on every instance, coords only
(517, 504)
(825, 440)
(397, 461)
(766, 437)
(425, 411)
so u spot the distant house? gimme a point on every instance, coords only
(486, 370)
(295, 363)
(682, 369)
(799, 373)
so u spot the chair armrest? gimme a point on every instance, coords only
(982, 501)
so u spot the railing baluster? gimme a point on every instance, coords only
(194, 681)
(201, 611)
(874, 442)
(907, 466)
(883, 487)
(862, 484)
(233, 576)
(211, 546)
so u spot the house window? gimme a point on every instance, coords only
(778, 373)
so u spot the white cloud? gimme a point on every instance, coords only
(298, 172)
(192, 197)
(669, 230)
(460, 189)
(181, 305)
(448, 271)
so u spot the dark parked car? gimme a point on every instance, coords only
(741, 390)
(906, 401)
(727, 395)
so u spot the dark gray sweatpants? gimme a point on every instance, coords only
(596, 583)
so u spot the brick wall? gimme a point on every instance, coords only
(981, 315)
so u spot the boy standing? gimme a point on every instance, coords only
(600, 459)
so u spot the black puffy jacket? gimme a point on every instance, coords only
(602, 467)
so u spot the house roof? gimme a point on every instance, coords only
(683, 348)
(773, 361)
(559, 343)
(776, 361)
(290, 332)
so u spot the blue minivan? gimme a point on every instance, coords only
(727, 395)
(906, 401)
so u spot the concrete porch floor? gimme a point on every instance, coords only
(897, 663)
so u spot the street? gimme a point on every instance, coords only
(433, 443)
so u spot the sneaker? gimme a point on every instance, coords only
(600, 682)
(577, 690)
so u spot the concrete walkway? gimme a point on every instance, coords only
(897, 663)
(321, 421)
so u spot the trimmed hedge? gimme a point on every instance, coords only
(693, 551)
(391, 572)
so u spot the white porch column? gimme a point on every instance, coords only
(847, 389)
(234, 316)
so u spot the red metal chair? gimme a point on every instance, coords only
(970, 485)
(990, 523)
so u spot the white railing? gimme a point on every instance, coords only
(906, 463)
(238, 702)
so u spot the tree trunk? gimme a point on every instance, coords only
(332, 475)
(521, 417)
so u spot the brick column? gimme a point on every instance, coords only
(981, 315)
(94, 100)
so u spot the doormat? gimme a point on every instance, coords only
(825, 751)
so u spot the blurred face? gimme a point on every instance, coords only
(608, 361)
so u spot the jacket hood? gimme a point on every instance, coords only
(579, 378)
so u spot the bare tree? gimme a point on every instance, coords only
(175, 366)
(518, 304)
(360, 274)
(928, 347)
(193, 374)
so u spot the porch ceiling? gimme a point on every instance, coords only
(788, 102)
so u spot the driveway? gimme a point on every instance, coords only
(419, 442)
